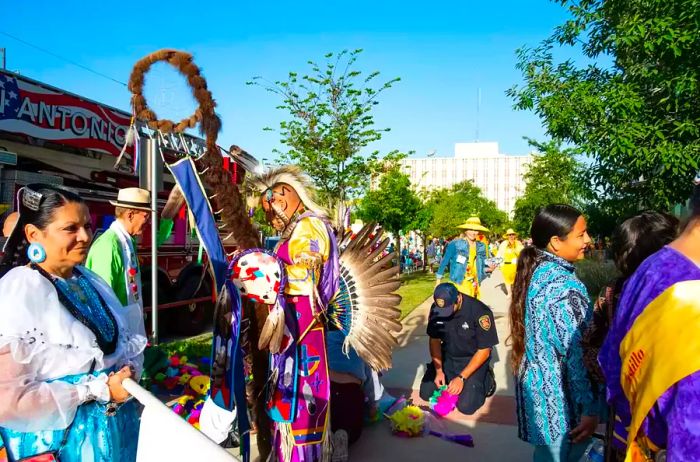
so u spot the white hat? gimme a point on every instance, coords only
(133, 198)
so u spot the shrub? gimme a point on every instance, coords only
(595, 275)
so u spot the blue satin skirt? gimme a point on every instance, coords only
(93, 436)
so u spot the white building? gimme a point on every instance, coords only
(499, 176)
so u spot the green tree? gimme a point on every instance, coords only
(330, 123)
(554, 176)
(632, 106)
(452, 207)
(423, 220)
(393, 204)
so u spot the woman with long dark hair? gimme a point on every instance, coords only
(633, 242)
(549, 310)
(651, 355)
(66, 342)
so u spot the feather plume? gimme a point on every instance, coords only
(365, 308)
(273, 330)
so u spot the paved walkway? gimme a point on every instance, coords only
(493, 427)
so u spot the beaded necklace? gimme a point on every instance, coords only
(87, 306)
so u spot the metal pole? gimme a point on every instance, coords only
(4, 57)
(152, 158)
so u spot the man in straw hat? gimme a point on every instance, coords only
(113, 255)
(509, 251)
(467, 259)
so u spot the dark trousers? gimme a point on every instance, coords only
(473, 393)
(347, 409)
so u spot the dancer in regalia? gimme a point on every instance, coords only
(299, 390)
(66, 342)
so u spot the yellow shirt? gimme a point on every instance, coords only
(309, 236)
(470, 283)
(510, 253)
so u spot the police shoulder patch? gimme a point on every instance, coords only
(485, 322)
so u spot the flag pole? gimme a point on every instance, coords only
(153, 148)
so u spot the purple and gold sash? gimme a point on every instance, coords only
(659, 350)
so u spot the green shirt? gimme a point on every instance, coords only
(105, 258)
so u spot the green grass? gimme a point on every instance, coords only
(416, 288)
(194, 347)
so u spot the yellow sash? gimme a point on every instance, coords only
(659, 350)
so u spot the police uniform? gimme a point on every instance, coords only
(463, 333)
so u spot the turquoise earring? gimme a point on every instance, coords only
(36, 253)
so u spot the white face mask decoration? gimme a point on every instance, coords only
(257, 276)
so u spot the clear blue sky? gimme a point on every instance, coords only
(443, 52)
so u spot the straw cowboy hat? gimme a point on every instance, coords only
(474, 224)
(510, 231)
(133, 198)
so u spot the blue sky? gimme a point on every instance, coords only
(443, 53)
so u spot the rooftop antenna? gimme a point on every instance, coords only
(478, 107)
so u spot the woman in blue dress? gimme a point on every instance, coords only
(549, 311)
(66, 342)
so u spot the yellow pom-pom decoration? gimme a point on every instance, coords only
(408, 422)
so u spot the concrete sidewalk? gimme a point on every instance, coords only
(493, 428)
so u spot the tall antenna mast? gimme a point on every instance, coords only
(478, 107)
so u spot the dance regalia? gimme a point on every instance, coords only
(48, 355)
(651, 359)
(300, 389)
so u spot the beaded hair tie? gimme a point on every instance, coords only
(31, 199)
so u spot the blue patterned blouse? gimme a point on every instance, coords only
(552, 387)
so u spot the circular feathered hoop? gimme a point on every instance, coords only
(183, 63)
(228, 198)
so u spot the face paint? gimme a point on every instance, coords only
(280, 203)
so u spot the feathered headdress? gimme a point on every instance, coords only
(295, 178)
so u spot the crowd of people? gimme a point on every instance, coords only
(627, 359)
(72, 331)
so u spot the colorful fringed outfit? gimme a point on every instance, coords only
(59, 340)
(300, 391)
(651, 359)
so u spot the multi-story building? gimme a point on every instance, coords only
(499, 176)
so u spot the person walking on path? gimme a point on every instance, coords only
(466, 259)
(549, 310)
(509, 250)
(462, 333)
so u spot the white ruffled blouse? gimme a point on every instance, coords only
(41, 341)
